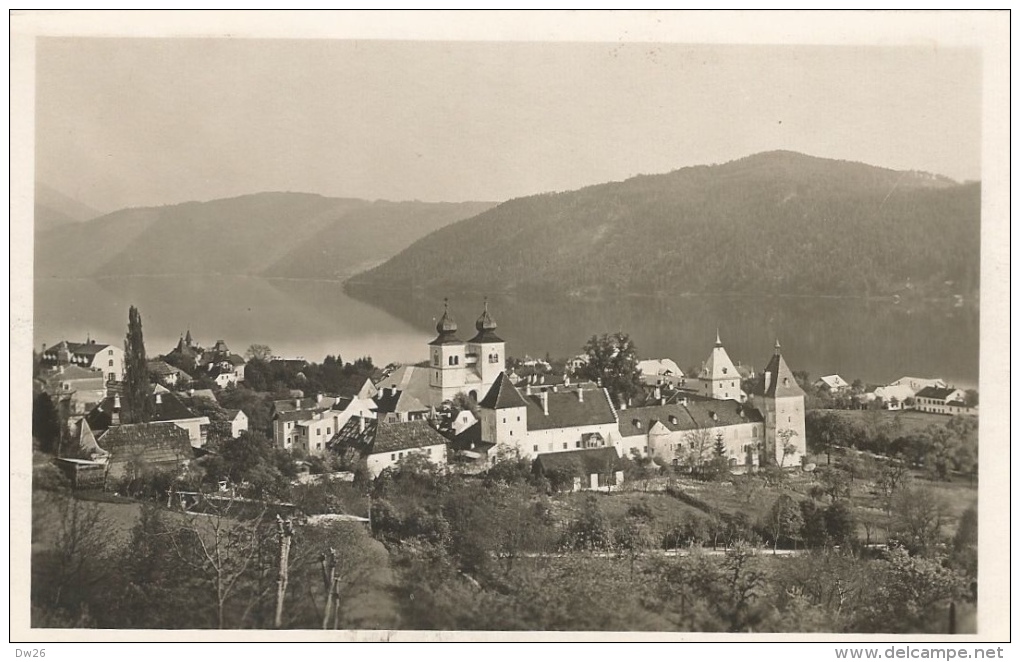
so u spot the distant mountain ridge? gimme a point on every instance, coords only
(53, 208)
(290, 235)
(771, 223)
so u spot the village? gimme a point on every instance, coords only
(465, 407)
(607, 456)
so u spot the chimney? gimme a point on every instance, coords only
(566, 379)
(545, 402)
(361, 424)
(556, 389)
(318, 398)
(768, 380)
(527, 389)
(684, 401)
(115, 415)
(191, 392)
(658, 392)
(159, 398)
(662, 401)
(623, 405)
(297, 403)
(580, 395)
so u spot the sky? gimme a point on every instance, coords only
(135, 122)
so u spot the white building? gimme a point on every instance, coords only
(468, 367)
(661, 372)
(719, 378)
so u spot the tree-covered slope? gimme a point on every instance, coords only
(777, 222)
(294, 235)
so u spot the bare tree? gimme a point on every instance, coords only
(787, 447)
(221, 551)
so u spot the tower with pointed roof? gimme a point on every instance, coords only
(503, 413)
(719, 378)
(780, 399)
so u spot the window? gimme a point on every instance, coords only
(327, 431)
(393, 456)
(318, 431)
(535, 448)
(400, 455)
(564, 445)
(578, 444)
(723, 370)
(504, 419)
(318, 445)
(111, 363)
(66, 386)
(511, 433)
(109, 352)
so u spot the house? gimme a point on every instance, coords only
(688, 431)
(462, 421)
(309, 423)
(947, 400)
(134, 449)
(238, 422)
(166, 408)
(719, 378)
(577, 363)
(584, 469)
(170, 376)
(109, 359)
(545, 421)
(383, 444)
(219, 363)
(832, 384)
(660, 372)
(399, 406)
(81, 388)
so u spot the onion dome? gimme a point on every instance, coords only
(446, 327)
(486, 327)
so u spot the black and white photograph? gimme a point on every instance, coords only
(684, 326)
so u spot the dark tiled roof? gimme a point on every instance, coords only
(169, 409)
(696, 414)
(484, 336)
(388, 401)
(164, 369)
(86, 349)
(383, 437)
(566, 409)
(151, 443)
(502, 395)
(781, 382)
(468, 439)
(591, 460)
(935, 393)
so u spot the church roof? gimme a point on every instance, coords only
(718, 365)
(486, 328)
(446, 328)
(777, 380)
(502, 395)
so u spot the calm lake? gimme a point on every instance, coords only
(875, 341)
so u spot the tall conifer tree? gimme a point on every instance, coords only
(137, 406)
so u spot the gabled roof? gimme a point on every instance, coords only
(696, 414)
(164, 369)
(936, 393)
(152, 443)
(660, 367)
(382, 437)
(591, 460)
(777, 380)
(170, 408)
(833, 381)
(502, 395)
(86, 447)
(90, 348)
(72, 373)
(408, 378)
(567, 409)
(399, 402)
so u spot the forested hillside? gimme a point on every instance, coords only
(295, 235)
(776, 222)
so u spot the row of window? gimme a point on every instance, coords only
(400, 455)
(455, 360)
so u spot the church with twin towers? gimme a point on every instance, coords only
(764, 425)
